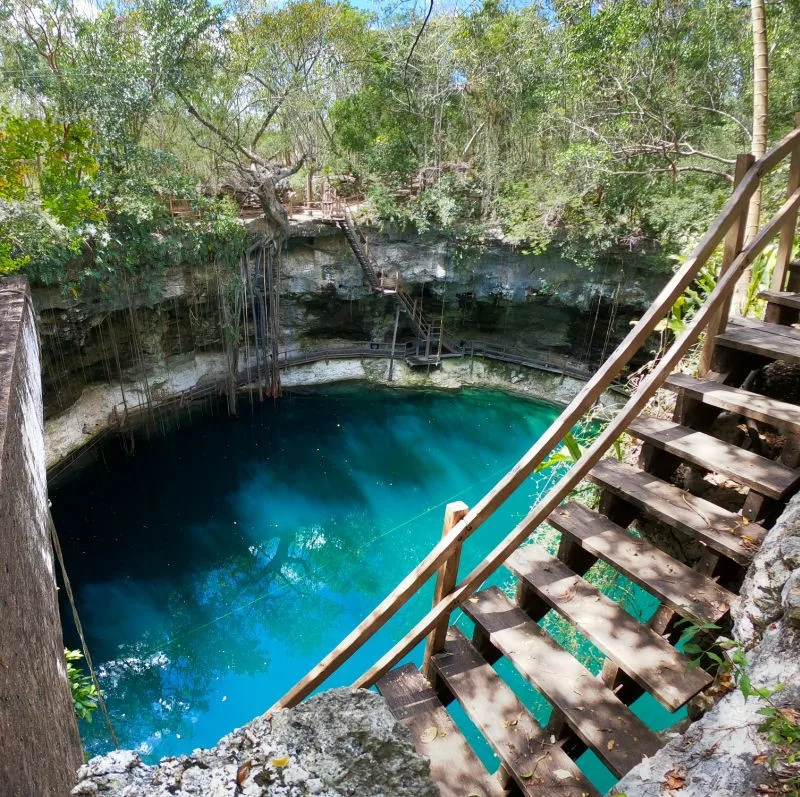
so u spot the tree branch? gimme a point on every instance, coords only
(673, 170)
(234, 145)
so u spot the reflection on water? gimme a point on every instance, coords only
(218, 565)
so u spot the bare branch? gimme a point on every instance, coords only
(673, 170)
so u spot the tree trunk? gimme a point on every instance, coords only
(760, 115)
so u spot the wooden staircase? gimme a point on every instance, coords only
(667, 489)
(428, 331)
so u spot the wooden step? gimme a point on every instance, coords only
(759, 473)
(539, 767)
(454, 765)
(721, 530)
(762, 341)
(684, 590)
(784, 330)
(780, 414)
(647, 658)
(782, 298)
(590, 708)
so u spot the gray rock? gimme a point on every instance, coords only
(790, 552)
(790, 597)
(341, 742)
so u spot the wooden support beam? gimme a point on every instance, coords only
(446, 580)
(734, 241)
(786, 243)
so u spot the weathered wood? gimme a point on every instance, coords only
(721, 530)
(555, 433)
(647, 658)
(763, 343)
(759, 473)
(594, 712)
(786, 242)
(784, 298)
(445, 583)
(508, 726)
(779, 414)
(734, 241)
(687, 592)
(454, 765)
(763, 326)
(667, 364)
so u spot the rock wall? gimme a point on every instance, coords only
(724, 753)
(39, 742)
(341, 742)
(539, 302)
(103, 350)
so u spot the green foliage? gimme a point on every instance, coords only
(84, 694)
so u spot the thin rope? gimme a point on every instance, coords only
(68, 587)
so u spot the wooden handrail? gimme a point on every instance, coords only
(582, 402)
(590, 457)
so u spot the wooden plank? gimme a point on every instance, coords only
(688, 592)
(647, 658)
(724, 532)
(454, 765)
(598, 717)
(780, 414)
(521, 744)
(783, 298)
(759, 473)
(782, 330)
(762, 344)
(734, 242)
(446, 580)
(787, 236)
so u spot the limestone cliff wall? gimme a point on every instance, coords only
(541, 303)
(39, 742)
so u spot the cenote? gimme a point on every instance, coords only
(222, 561)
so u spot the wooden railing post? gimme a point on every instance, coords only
(445, 583)
(734, 242)
(786, 242)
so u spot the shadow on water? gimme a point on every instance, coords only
(223, 561)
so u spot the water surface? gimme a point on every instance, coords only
(220, 563)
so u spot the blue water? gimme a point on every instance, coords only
(220, 563)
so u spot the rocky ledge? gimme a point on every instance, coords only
(341, 742)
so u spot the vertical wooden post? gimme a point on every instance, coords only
(445, 584)
(734, 241)
(787, 233)
(310, 191)
(394, 341)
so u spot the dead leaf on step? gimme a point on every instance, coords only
(761, 758)
(676, 779)
(243, 773)
(611, 744)
(429, 734)
(280, 762)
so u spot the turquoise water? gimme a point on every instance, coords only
(219, 564)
